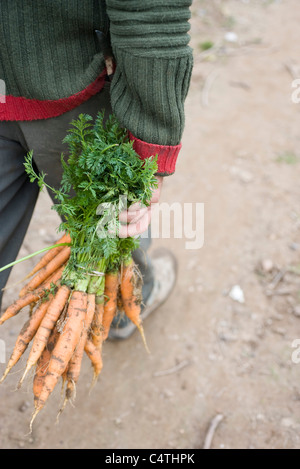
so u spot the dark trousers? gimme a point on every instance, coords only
(18, 195)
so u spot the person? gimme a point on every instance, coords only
(60, 59)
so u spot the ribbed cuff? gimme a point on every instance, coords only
(166, 154)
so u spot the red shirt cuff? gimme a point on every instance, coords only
(166, 154)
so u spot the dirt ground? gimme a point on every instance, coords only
(211, 354)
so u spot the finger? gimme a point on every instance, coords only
(135, 229)
(132, 216)
(136, 206)
(156, 193)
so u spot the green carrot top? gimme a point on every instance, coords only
(102, 176)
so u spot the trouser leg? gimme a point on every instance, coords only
(143, 261)
(17, 197)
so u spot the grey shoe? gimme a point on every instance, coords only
(165, 274)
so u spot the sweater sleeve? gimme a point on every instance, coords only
(150, 43)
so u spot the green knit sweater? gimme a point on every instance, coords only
(51, 60)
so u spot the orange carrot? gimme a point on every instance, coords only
(30, 297)
(75, 362)
(49, 255)
(74, 366)
(64, 349)
(41, 338)
(96, 327)
(46, 271)
(119, 300)
(95, 355)
(42, 364)
(26, 335)
(131, 296)
(110, 305)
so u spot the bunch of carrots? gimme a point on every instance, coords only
(88, 276)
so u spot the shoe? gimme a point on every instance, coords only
(165, 274)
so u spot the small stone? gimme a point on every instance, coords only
(227, 337)
(279, 330)
(267, 265)
(231, 36)
(213, 357)
(278, 317)
(294, 246)
(254, 316)
(242, 174)
(249, 339)
(167, 393)
(246, 176)
(24, 406)
(287, 422)
(237, 294)
(260, 332)
(296, 311)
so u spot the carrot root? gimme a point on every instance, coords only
(111, 299)
(131, 286)
(96, 326)
(65, 347)
(46, 271)
(26, 335)
(74, 366)
(43, 362)
(49, 255)
(36, 295)
(94, 354)
(54, 310)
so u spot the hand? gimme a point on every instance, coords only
(137, 218)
